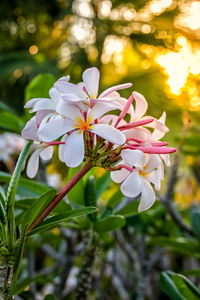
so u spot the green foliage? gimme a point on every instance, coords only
(109, 224)
(178, 287)
(10, 122)
(90, 197)
(76, 195)
(37, 187)
(39, 87)
(37, 206)
(12, 188)
(54, 221)
(195, 221)
(178, 244)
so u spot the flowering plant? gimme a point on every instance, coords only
(90, 130)
(86, 128)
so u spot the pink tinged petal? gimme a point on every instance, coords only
(156, 124)
(153, 162)
(33, 164)
(99, 109)
(141, 105)
(47, 153)
(136, 124)
(120, 175)
(54, 128)
(74, 149)
(40, 116)
(109, 133)
(61, 148)
(125, 109)
(154, 150)
(134, 158)
(115, 88)
(32, 102)
(91, 81)
(148, 196)
(132, 185)
(138, 133)
(154, 177)
(30, 131)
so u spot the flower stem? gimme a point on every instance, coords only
(61, 195)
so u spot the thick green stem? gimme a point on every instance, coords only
(6, 274)
(85, 274)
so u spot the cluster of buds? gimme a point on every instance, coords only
(86, 127)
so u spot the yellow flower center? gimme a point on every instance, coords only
(83, 125)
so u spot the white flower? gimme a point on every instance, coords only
(146, 172)
(87, 91)
(42, 150)
(77, 122)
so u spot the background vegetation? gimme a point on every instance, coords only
(154, 45)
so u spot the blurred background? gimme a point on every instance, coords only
(153, 44)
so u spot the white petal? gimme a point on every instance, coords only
(74, 149)
(70, 111)
(91, 80)
(54, 94)
(166, 159)
(54, 128)
(140, 106)
(153, 162)
(61, 148)
(32, 102)
(109, 133)
(115, 88)
(33, 164)
(120, 175)
(155, 178)
(133, 157)
(30, 131)
(44, 104)
(132, 185)
(148, 196)
(47, 153)
(40, 115)
(138, 133)
(70, 89)
(99, 109)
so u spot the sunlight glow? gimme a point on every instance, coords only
(179, 65)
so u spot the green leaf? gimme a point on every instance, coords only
(26, 282)
(109, 224)
(12, 188)
(37, 206)
(178, 287)
(90, 196)
(76, 194)
(29, 184)
(49, 297)
(10, 122)
(115, 199)
(54, 221)
(39, 87)
(18, 258)
(128, 210)
(102, 183)
(179, 244)
(194, 272)
(195, 221)
(5, 107)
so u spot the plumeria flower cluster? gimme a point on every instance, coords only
(93, 128)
